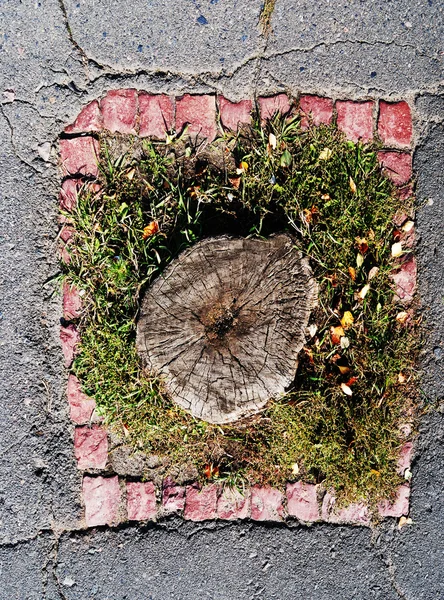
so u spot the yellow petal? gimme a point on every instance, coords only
(347, 319)
(272, 141)
(408, 226)
(397, 249)
(359, 261)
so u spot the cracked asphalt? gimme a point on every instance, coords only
(56, 55)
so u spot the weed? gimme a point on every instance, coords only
(340, 422)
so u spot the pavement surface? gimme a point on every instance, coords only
(56, 55)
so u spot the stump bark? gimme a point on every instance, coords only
(225, 322)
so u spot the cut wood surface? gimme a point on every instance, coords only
(225, 322)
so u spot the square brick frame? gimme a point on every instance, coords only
(109, 499)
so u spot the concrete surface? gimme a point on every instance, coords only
(55, 58)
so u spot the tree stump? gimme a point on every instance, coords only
(225, 322)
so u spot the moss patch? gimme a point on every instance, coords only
(157, 199)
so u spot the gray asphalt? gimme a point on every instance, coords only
(54, 58)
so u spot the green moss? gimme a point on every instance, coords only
(328, 192)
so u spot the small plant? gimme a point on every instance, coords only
(356, 379)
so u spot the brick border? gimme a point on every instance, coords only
(110, 499)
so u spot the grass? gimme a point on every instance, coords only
(330, 193)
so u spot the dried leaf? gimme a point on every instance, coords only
(347, 391)
(351, 381)
(361, 244)
(402, 378)
(131, 173)
(325, 197)
(150, 230)
(325, 154)
(211, 471)
(402, 317)
(353, 187)
(404, 521)
(347, 319)
(272, 141)
(408, 474)
(397, 249)
(235, 181)
(408, 226)
(373, 272)
(343, 369)
(336, 333)
(286, 159)
(311, 214)
(352, 273)
(242, 168)
(363, 293)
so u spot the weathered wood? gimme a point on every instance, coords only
(225, 322)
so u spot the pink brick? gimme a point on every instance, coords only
(81, 407)
(89, 119)
(315, 110)
(90, 447)
(201, 504)
(405, 280)
(156, 115)
(71, 302)
(269, 105)
(267, 504)
(141, 501)
(399, 507)
(68, 194)
(173, 496)
(200, 113)
(101, 496)
(70, 338)
(232, 504)
(119, 110)
(233, 114)
(66, 233)
(405, 458)
(302, 501)
(79, 155)
(355, 513)
(64, 254)
(397, 166)
(395, 123)
(355, 119)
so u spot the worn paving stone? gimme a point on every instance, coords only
(91, 447)
(201, 503)
(101, 496)
(302, 501)
(267, 504)
(397, 165)
(199, 112)
(119, 111)
(355, 119)
(156, 115)
(395, 123)
(79, 155)
(141, 500)
(233, 114)
(81, 407)
(316, 110)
